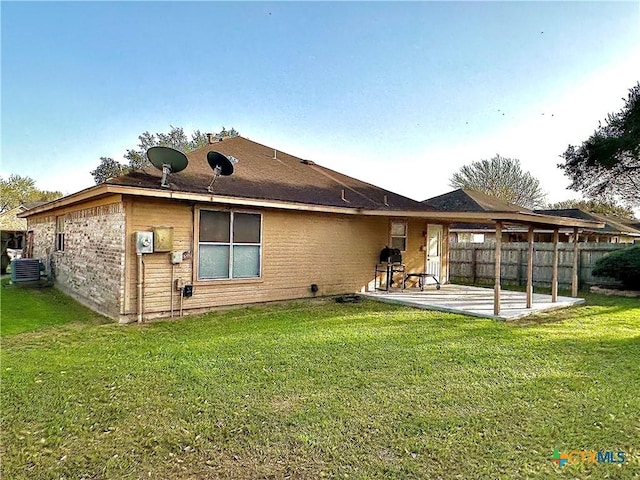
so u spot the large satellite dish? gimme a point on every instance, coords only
(221, 165)
(168, 160)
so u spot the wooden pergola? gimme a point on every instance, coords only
(529, 284)
(531, 221)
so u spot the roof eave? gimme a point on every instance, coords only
(487, 217)
(86, 194)
(493, 217)
(110, 189)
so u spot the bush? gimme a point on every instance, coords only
(623, 265)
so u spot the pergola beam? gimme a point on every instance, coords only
(574, 276)
(498, 261)
(530, 268)
(554, 275)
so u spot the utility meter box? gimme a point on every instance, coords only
(144, 242)
(176, 257)
(163, 239)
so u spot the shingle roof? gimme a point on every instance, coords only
(567, 212)
(258, 175)
(463, 200)
(611, 224)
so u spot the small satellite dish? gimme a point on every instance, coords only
(168, 160)
(221, 165)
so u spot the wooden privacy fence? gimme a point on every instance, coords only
(474, 263)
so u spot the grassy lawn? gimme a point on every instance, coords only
(316, 389)
(29, 309)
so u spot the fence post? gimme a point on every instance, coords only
(519, 269)
(474, 264)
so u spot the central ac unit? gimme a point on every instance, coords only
(26, 270)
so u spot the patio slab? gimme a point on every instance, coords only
(475, 301)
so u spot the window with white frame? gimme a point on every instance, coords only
(229, 245)
(59, 247)
(399, 235)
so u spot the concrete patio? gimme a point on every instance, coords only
(475, 301)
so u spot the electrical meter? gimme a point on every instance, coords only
(144, 242)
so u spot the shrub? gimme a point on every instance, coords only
(623, 265)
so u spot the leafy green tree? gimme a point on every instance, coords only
(108, 168)
(502, 178)
(136, 158)
(16, 190)
(607, 164)
(175, 138)
(596, 206)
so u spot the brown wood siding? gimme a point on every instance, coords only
(336, 252)
(144, 216)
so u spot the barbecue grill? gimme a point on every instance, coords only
(390, 255)
(390, 263)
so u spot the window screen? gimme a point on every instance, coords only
(229, 245)
(399, 236)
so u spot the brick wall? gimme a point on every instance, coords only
(91, 267)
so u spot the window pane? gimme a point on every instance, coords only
(246, 261)
(434, 246)
(214, 226)
(246, 228)
(213, 261)
(60, 242)
(398, 229)
(399, 243)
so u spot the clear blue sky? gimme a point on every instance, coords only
(397, 94)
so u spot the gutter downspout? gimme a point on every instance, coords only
(171, 287)
(140, 289)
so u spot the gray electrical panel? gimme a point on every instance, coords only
(144, 242)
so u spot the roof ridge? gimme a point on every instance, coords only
(367, 184)
(319, 169)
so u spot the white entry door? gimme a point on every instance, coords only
(433, 251)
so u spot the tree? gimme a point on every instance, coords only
(108, 168)
(175, 138)
(502, 178)
(17, 190)
(596, 206)
(136, 158)
(607, 164)
(623, 265)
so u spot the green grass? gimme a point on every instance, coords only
(316, 389)
(26, 309)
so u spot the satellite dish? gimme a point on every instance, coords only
(168, 160)
(221, 165)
